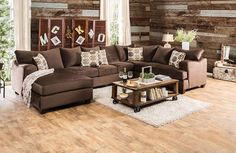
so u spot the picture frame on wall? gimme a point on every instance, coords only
(80, 40)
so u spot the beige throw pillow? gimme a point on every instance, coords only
(176, 58)
(135, 54)
(102, 57)
(41, 62)
(90, 58)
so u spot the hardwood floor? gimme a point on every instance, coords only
(96, 128)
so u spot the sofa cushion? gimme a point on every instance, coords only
(85, 49)
(149, 52)
(71, 56)
(193, 54)
(80, 70)
(139, 64)
(25, 57)
(121, 65)
(169, 70)
(112, 54)
(122, 52)
(61, 81)
(104, 70)
(162, 55)
(53, 57)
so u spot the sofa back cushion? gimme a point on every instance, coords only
(123, 52)
(193, 54)
(162, 55)
(85, 49)
(25, 57)
(52, 56)
(112, 54)
(71, 56)
(149, 52)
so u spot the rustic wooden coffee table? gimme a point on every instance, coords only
(133, 100)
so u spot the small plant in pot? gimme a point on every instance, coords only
(147, 77)
(185, 37)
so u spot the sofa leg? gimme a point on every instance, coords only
(42, 112)
(203, 86)
(182, 91)
(88, 101)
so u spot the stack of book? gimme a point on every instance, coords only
(162, 77)
(157, 93)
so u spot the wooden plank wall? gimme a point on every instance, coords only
(214, 19)
(140, 21)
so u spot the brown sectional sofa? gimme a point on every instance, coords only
(72, 83)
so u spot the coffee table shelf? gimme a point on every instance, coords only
(133, 100)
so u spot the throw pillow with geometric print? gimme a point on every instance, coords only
(135, 54)
(176, 58)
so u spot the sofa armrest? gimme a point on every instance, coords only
(197, 72)
(18, 73)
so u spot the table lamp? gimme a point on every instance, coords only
(168, 38)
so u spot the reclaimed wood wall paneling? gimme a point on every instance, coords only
(214, 19)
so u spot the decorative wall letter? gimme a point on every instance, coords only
(79, 30)
(91, 34)
(101, 37)
(80, 40)
(43, 39)
(55, 29)
(68, 33)
(56, 41)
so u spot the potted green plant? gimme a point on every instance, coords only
(147, 77)
(185, 37)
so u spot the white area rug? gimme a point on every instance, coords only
(156, 115)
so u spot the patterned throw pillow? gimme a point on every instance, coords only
(135, 54)
(176, 58)
(102, 57)
(41, 62)
(90, 58)
(94, 58)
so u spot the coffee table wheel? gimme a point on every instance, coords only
(137, 109)
(175, 98)
(115, 102)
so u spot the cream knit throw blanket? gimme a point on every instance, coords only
(28, 82)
